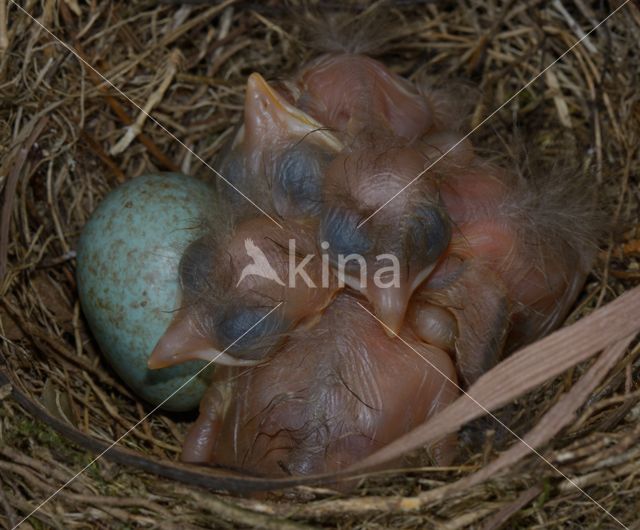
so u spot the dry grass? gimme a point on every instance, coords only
(59, 126)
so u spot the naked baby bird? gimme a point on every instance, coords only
(475, 262)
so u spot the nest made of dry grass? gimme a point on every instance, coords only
(58, 125)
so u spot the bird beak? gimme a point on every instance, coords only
(390, 302)
(390, 305)
(181, 343)
(268, 115)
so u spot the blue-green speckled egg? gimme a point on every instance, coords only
(127, 271)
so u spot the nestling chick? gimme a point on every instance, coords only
(230, 280)
(464, 264)
(332, 395)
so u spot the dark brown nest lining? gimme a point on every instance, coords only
(58, 125)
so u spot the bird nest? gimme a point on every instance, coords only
(74, 77)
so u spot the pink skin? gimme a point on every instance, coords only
(188, 338)
(340, 387)
(345, 92)
(502, 289)
(331, 396)
(368, 176)
(310, 294)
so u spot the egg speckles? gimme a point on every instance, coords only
(128, 257)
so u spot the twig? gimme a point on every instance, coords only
(102, 155)
(557, 417)
(504, 514)
(156, 97)
(4, 503)
(235, 514)
(57, 346)
(10, 188)
(575, 27)
(122, 115)
(4, 37)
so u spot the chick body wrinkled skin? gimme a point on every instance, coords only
(332, 395)
(482, 268)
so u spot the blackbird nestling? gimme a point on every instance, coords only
(464, 263)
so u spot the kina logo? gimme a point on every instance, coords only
(260, 265)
